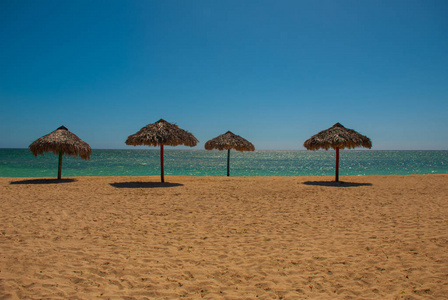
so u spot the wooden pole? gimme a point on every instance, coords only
(228, 162)
(162, 177)
(60, 165)
(337, 165)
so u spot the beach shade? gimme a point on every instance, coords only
(229, 141)
(337, 137)
(61, 142)
(162, 133)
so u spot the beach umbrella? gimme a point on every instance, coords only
(61, 142)
(162, 133)
(229, 141)
(337, 137)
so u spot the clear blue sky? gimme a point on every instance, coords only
(274, 72)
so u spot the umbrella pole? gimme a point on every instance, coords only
(162, 176)
(60, 165)
(228, 162)
(337, 165)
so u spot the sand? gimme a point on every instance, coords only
(372, 237)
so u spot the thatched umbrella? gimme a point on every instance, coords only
(162, 133)
(337, 137)
(61, 142)
(229, 141)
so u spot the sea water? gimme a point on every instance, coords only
(139, 162)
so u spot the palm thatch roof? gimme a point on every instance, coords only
(337, 137)
(61, 140)
(229, 141)
(162, 133)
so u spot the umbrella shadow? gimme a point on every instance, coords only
(337, 184)
(144, 185)
(43, 181)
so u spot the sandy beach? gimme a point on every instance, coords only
(371, 237)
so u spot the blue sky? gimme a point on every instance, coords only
(274, 72)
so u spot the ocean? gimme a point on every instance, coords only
(139, 162)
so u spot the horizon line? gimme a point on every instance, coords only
(186, 149)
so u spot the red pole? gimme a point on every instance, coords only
(60, 165)
(161, 164)
(337, 165)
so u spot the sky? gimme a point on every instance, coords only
(274, 72)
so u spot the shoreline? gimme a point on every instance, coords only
(371, 237)
(157, 177)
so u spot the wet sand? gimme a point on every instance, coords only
(371, 237)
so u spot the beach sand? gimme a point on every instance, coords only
(372, 237)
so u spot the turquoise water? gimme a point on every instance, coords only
(136, 162)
